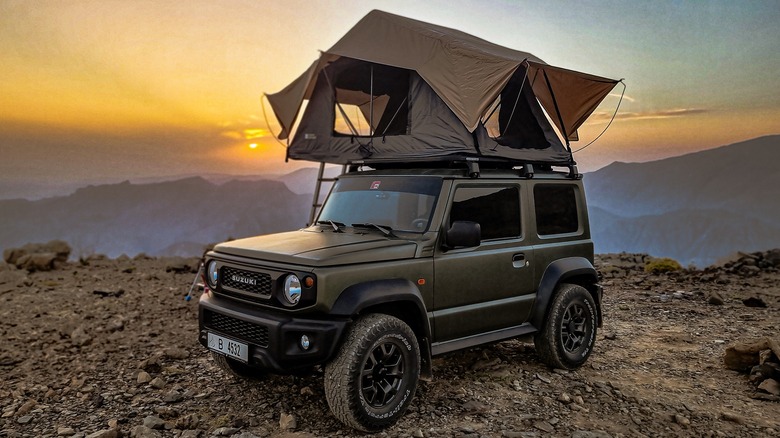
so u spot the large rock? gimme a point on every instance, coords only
(746, 355)
(38, 256)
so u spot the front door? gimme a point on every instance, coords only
(490, 286)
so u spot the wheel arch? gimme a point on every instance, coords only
(575, 270)
(396, 297)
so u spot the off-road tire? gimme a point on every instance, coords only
(378, 350)
(569, 331)
(237, 369)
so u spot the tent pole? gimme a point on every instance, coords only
(557, 111)
(371, 105)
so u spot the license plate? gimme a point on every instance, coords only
(229, 347)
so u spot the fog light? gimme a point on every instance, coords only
(305, 343)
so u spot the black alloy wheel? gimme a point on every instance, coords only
(568, 334)
(383, 373)
(573, 327)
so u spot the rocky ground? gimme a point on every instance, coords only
(105, 348)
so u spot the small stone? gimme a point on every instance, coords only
(715, 299)
(754, 302)
(610, 335)
(191, 434)
(26, 407)
(144, 432)
(543, 378)
(158, 383)
(306, 390)
(474, 407)
(418, 433)
(173, 397)
(25, 419)
(113, 423)
(65, 431)
(107, 433)
(730, 416)
(189, 421)
(225, 431)
(578, 400)
(544, 426)
(153, 422)
(144, 377)
(564, 398)
(770, 386)
(590, 434)
(682, 420)
(79, 337)
(115, 325)
(176, 353)
(287, 421)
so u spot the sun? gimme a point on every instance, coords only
(253, 146)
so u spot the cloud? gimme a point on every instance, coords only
(626, 97)
(662, 114)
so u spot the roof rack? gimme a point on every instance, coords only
(471, 163)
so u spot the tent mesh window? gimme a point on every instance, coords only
(370, 99)
(506, 120)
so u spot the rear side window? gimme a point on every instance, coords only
(496, 209)
(556, 209)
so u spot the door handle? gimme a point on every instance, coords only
(519, 261)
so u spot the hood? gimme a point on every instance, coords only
(315, 247)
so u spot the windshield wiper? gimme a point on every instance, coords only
(336, 225)
(387, 231)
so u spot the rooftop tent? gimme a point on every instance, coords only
(395, 88)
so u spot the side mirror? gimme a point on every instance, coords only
(463, 234)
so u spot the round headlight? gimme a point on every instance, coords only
(212, 274)
(292, 289)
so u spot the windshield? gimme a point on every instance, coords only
(397, 203)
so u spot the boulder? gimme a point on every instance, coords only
(38, 256)
(745, 355)
(773, 257)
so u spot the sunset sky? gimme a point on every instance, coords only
(109, 90)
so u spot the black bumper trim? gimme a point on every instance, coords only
(282, 352)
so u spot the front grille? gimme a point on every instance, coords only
(247, 281)
(256, 334)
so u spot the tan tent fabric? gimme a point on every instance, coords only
(576, 94)
(466, 73)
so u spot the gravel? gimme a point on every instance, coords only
(78, 363)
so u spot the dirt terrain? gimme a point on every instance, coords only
(106, 348)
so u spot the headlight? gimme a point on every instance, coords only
(292, 289)
(212, 274)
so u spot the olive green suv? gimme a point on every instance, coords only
(402, 265)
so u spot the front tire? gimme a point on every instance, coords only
(569, 332)
(371, 381)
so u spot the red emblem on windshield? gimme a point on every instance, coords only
(375, 185)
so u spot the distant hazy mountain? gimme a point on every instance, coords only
(166, 218)
(303, 180)
(696, 208)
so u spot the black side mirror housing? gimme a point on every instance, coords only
(463, 234)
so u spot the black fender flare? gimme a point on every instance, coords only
(557, 272)
(358, 297)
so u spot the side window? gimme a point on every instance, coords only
(496, 209)
(556, 209)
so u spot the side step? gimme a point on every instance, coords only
(438, 348)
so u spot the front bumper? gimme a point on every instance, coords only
(273, 339)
